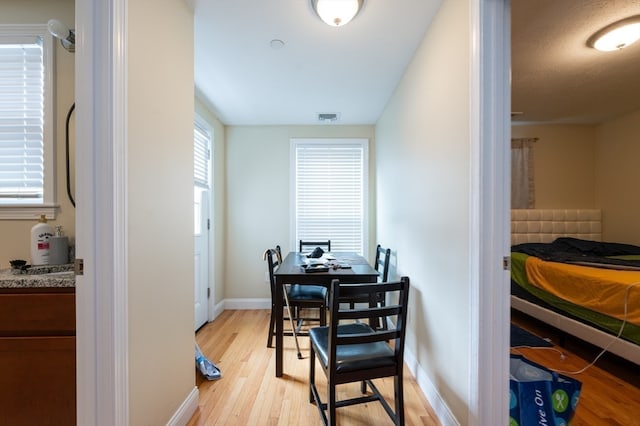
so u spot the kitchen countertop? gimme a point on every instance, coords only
(39, 277)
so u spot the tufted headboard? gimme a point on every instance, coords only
(545, 225)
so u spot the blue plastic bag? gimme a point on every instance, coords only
(207, 368)
(539, 396)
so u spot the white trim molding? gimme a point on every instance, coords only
(489, 215)
(47, 206)
(186, 410)
(28, 212)
(101, 241)
(120, 267)
(430, 391)
(216, 310)
(247, 303)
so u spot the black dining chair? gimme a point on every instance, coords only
(302, 298)
(381, 264)
(325, 245)
(352, 350)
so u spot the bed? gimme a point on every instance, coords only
(563, 274)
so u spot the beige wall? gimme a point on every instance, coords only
(423, 193)
(257, 191)
(590, 166)
(16, 233)
(216, 279)
(564, 164)
(618, 174)
(160, 112)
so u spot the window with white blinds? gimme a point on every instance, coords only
(201, 155)
(26, 145)
(330, 192)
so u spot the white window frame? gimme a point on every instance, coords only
(359, 142)
(48, 207)
(199, 121)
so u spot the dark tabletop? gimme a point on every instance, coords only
(292, 269)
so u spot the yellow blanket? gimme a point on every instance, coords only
(601, 290)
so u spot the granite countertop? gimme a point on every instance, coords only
(38, 277)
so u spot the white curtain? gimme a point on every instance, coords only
(523, 192)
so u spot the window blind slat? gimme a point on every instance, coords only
(21, 119)
(201, 155)
(329, 194)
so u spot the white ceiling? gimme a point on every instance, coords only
(556, 77)
(350, 70)
(354, 69)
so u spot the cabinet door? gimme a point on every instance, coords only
(38, 381)
(37, 314)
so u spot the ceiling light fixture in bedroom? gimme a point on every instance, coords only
(616, 36)
(337, 13)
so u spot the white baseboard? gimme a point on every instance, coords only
(247, 303)
(186, 410)
(443, 413)
(216, 311)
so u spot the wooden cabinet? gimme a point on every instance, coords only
(37, 357)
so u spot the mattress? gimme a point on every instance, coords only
(583, 280)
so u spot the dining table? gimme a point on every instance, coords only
(345, 266)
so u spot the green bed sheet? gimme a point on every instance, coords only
(631, 332)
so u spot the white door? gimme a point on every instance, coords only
(201, 253)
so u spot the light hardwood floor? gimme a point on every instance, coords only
(249, 393)
(609, 394)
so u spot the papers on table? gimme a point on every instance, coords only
(316, 268)
(323, 264)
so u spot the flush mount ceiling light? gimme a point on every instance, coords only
(337, 13)
(617, 35)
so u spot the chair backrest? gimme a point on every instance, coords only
(383, 258)
(395, 315)
(325, 245)
(274, 259)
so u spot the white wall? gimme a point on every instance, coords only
(160, 208)
(39, 12)
(590, 166)
(257, 191)
(422, 142)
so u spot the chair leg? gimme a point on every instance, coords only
(313, 391)
(399, 398)
(312, 374)
(322, 312)
(272, 324)
(331, 404)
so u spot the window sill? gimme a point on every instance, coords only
(27, 212)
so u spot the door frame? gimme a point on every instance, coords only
(101, 216)
(489, 301)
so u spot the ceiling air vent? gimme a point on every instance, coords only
(328, 117)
